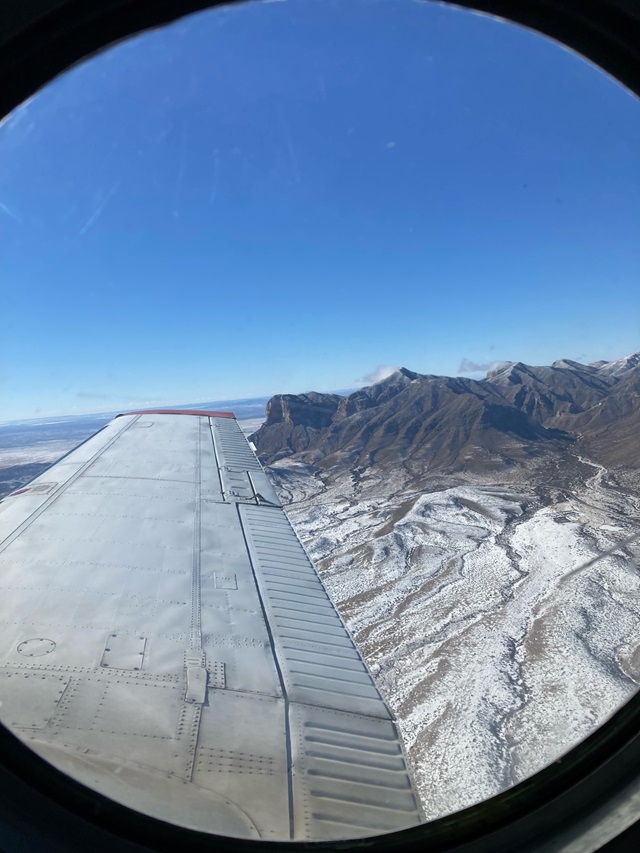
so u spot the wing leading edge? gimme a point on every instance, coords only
(163, 625)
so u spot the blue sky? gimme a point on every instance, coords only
(285, 196)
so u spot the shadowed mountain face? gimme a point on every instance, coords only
(294, 422)
(439, 424)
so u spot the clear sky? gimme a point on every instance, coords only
(285, 196)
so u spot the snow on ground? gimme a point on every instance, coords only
(493, 663)
(49, 452)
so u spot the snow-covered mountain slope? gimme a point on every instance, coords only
(494, 662)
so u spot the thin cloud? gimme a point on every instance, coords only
(469, 366)
(10, 213)
(91, 395)
(98, 395)
(380, 373)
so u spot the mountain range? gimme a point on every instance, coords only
(441, 424)
(476, 537)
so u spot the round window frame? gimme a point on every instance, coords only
(582, 801)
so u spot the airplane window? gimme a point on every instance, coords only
(399, 242)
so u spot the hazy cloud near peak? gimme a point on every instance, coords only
(380, 373)
(469, 366)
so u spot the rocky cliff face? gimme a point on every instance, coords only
(447, 424)
(294, 422)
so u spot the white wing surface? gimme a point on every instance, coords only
(165, 639)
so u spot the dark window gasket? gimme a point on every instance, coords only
(41, 38)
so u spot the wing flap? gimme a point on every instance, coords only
(349, 772)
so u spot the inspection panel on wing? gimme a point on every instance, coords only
(166, 640)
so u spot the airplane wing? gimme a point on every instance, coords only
(166, 640)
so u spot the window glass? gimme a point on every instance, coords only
(427, 217)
